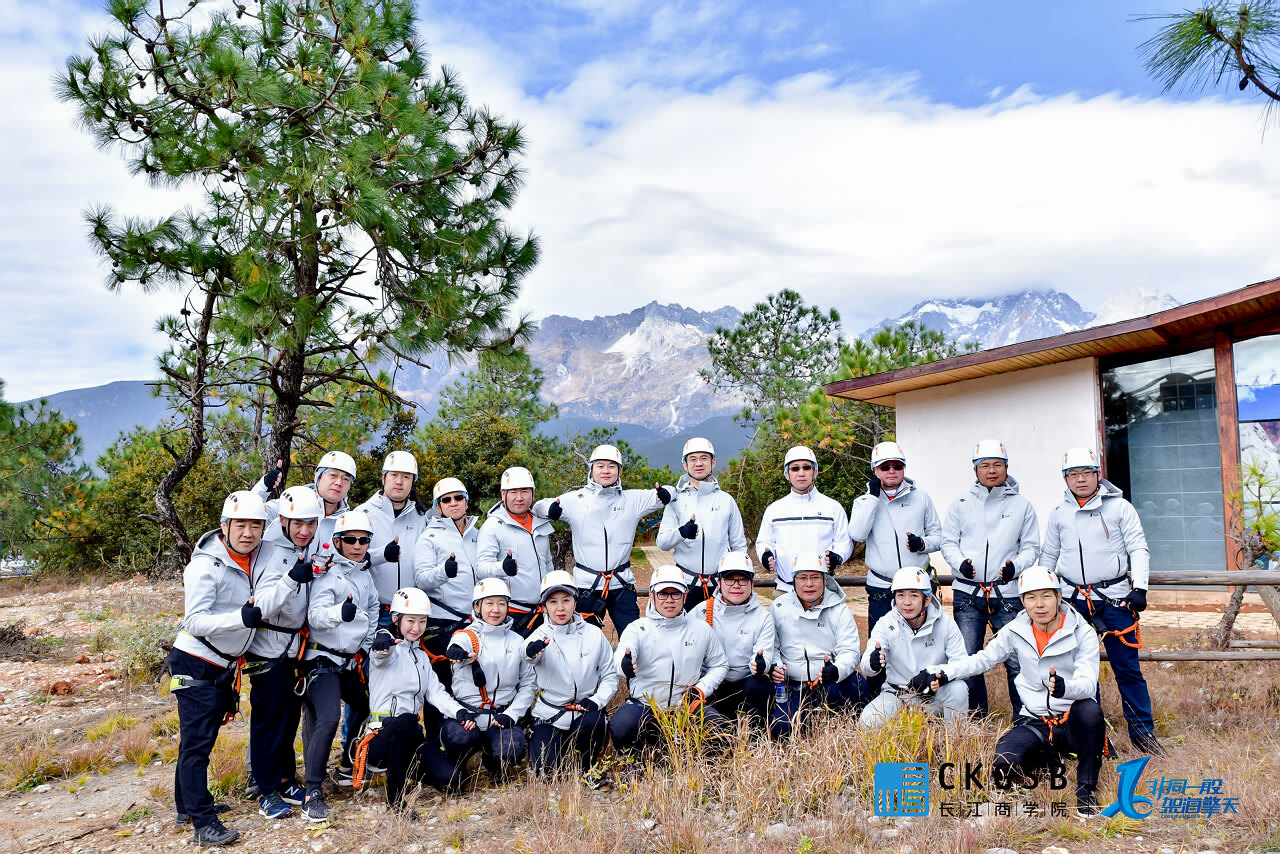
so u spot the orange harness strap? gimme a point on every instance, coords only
(361, 758)
(485, 701)
(1052, 722)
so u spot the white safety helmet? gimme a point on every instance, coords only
(301, 502)
(411, 601)
(336, 460)
(243, 504)
(606, 452)
(697, 445)
(1080, 458)
(799, 452)
(886, 452)
(736, 562)
(448, 486)
(517, 477)
(1037, 578)
(556, 580)
(401, 461)
(487, 587)
(665, 577)
(912, 578)
(809, 562)
(990, 449)
(353, 520)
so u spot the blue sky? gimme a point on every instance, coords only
(868, 154)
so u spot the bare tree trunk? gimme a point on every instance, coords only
(1222, 632)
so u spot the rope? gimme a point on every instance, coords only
(1120, 633)
(361, 758)
(1052, 722)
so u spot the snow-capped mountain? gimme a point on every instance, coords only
(1031, 314)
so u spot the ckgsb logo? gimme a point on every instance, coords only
(902, 788)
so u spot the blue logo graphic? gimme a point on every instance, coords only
(1127, 798)
(902, 788)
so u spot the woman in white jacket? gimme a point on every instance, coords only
(576, 678)
(446, 567)
(1057, 683)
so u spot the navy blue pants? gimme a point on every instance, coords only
(972, 615)
(849, 694)
(273, 725)
(747, 696)
(1135, 699)
(584, 739)
(200, 713)
(325, 695)
(621, 604)
(634, 726)
(500, 749)
(879, 604)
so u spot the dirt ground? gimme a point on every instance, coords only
(62, 692)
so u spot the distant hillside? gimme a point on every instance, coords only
(103, 412)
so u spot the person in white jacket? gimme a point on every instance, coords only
(989, 536)
(744, 628)
(804, 520)
(1095, 542)
(816, 649)
(917, 635)
(398, 519)
(218, 622)
(493, 683)
(1057, 682)
(445, 565)
(515, 545)
(603, 518)
(342, 615)
(576, 678)
(401, 684)
(670, 658)
(332, 480)
(701, 524)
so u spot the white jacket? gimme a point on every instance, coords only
(283, 601)
(1099, 542)
(214, 589)
(441, 538)
(328, 593)
(719, 526)
(324, 531)
(509, 679)
(804, 637)
(1072, 651)
(576, 665)
(883, 524)
(531, 551)
(797, 523)
(388, 525)
(401, 680)
(907, 651)
(743, 630)
(989, 527)
(603, 521)
(671, 655)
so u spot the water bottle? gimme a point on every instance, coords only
(781, 691)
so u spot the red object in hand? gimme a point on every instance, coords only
(321, 565)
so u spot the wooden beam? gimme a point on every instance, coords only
(1253, 644)
(1228, 441)
(1204, 655)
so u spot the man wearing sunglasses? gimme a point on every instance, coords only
(802, 521)
(898, 522)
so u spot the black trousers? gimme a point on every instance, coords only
(200, 714)
(501, 749)
(549, 747)
(324, 698)
(749, 696)
(402, 748)
(273, 725)
(1082, 733)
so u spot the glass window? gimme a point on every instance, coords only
(1163, 451)
(1258, 378)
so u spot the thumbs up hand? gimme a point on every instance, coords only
(830, 673)
(392, 552)
(877, 658)
(1057, 686)
(689, 530)
(348, 610)
(509, 564)
(250, 614)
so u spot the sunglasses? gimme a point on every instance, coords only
(891, 467)
(352, 541)
(449, 499)
(801, 468)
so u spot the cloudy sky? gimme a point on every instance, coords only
(869, 154)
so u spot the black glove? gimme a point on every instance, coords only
(1006, 572)
(504, 721)
(664, 496)
(457, 653)
(301, 571)
(535, 647)
(477, 675)
(382, 640)
(465, 717)
(762, 668)
(877, 660)
(451, 567)
(922, 682)
(391, 554)
(966, 569)
(589, 705)
(250, 615)
(689, 530)
(942, 678)
(833, 560)
(348, 610)
(873, 487)
(1136, 600)
(765, 560)
(509, 565)
(914, 543)
(830, 674)
(271, 478)
(1057, 686)
(628, 666)
(555, 511)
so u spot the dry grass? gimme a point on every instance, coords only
(30, 764)
(109, 726)
(226, 764)
(137, 745)
(96, 757)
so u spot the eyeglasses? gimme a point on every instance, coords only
(735, 579)
(351, 541)
(891, 467)
(449, 499)
(801, 468)
(668, 594)
(1082, 473)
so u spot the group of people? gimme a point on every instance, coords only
(428, 637)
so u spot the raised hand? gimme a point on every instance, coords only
(451, 566)
(629, 665)
(509, 564)
(348, 610)
(689, 530)
(250, 614)
(391, 554)
(664, 495)
(301, 571)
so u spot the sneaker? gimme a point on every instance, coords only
(251, 790)
(1148, 744)
(215, 834)
(315, 810)
(271, 806)
(342, 777)
(293, 793)
(182, 819)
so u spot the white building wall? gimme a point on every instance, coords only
(1038, 413)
